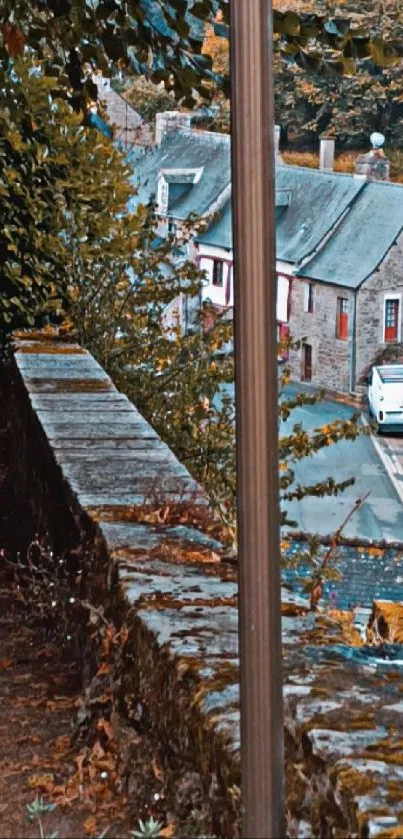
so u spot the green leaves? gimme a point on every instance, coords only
(161, 40)
(48, 162)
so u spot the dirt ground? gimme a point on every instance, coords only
(42, 750)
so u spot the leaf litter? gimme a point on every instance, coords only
(95, 790)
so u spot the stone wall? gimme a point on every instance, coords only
(330, 355)
(370, 305)
(98, 475)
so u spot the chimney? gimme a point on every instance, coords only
(326, 153)
(169, 121)
(277, 133)
(373, 166)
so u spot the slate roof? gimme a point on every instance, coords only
(364, 578)
(318, 199)
(363, 239)
(219, 234)
(336, 228)
(188, 149)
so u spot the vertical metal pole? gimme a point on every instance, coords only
(256, 418)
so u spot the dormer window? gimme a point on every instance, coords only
(283, 198)
(172, 184)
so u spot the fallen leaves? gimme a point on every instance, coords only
(90, 826)
(158, 772)
(45, 652)
(168, 831)
(35, 739)
(45, 783)
(105, 726)
(62, 745)
(6, 663)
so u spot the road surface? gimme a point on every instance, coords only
(381, 516)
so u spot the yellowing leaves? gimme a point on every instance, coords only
(43, 782)
(158, 772)
(90, 826)
(169, 831)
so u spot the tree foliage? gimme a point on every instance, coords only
(351, 106)
(48, 162)
(164, 41)
(147, 98)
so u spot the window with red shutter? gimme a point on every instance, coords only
(391, 320)
(342, 319)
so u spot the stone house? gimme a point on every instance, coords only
(339, 246)
(129, 127)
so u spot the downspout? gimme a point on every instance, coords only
(197, 263)
(353, 353)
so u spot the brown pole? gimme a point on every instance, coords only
(256, 418)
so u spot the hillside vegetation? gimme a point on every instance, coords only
(349, 106)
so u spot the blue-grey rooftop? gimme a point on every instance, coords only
(318, 200)
(362, 240)
(335, 228)
(184, 149)
(219, 234)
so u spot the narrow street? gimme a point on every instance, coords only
(389, 448)
(381, 516)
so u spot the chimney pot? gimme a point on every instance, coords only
(277, 133)
(373, 166)
(168, 121)
(326, 153)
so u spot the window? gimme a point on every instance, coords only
(342, 319)
(309, 293)
(391, 322)
(218, 272)
(306, 373)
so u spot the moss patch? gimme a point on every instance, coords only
(38, 348)
(36, 385)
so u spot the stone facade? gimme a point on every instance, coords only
(388, 280)
(330, 355)
(338, 365)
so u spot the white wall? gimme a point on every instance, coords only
(217, 294)
(206, 254)
(283, 290)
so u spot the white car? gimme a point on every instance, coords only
(385, 397)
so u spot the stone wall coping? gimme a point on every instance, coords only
(343, 714)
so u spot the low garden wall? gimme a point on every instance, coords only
(101, 484)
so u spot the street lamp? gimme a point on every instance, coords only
(253, 198)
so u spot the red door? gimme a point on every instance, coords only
(307, 362)
(391, 320)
